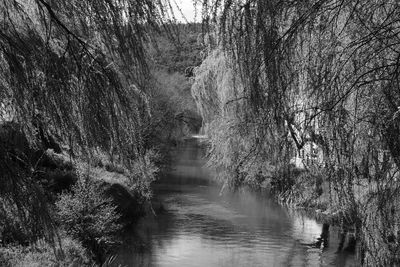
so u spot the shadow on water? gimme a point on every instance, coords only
(201, 227)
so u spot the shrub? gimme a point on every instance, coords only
(90, 217)
(144, 171)
(42, 254)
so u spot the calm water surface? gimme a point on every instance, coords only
(201, 227)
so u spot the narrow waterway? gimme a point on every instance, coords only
(201, 227)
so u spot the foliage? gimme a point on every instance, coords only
(173, 112)
(24, 215)
(321, 72)
(239, 147)
(177, 54)
(88, 92)
(144, 172)
(380, 231)
(88, 216)
(73, 75)
(42, 254)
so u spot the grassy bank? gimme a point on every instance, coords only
(80, 208)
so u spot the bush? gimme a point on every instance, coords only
(90, 217)
(144, 171)
(42, 254)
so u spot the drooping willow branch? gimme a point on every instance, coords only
(75, 72)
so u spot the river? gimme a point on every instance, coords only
(201, 227)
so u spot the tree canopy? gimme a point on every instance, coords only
(73, 74)
(319, 71)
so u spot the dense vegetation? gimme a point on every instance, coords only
(90, 99)
(172, 62)
(320, 77)
(85, 115)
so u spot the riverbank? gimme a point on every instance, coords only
(86, 205)
(72, 247)
(310, 192)
(356, 213)
(318, 206)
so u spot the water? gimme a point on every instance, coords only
(201, 227)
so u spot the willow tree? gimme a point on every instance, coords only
(324, 71)
(74, 72)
